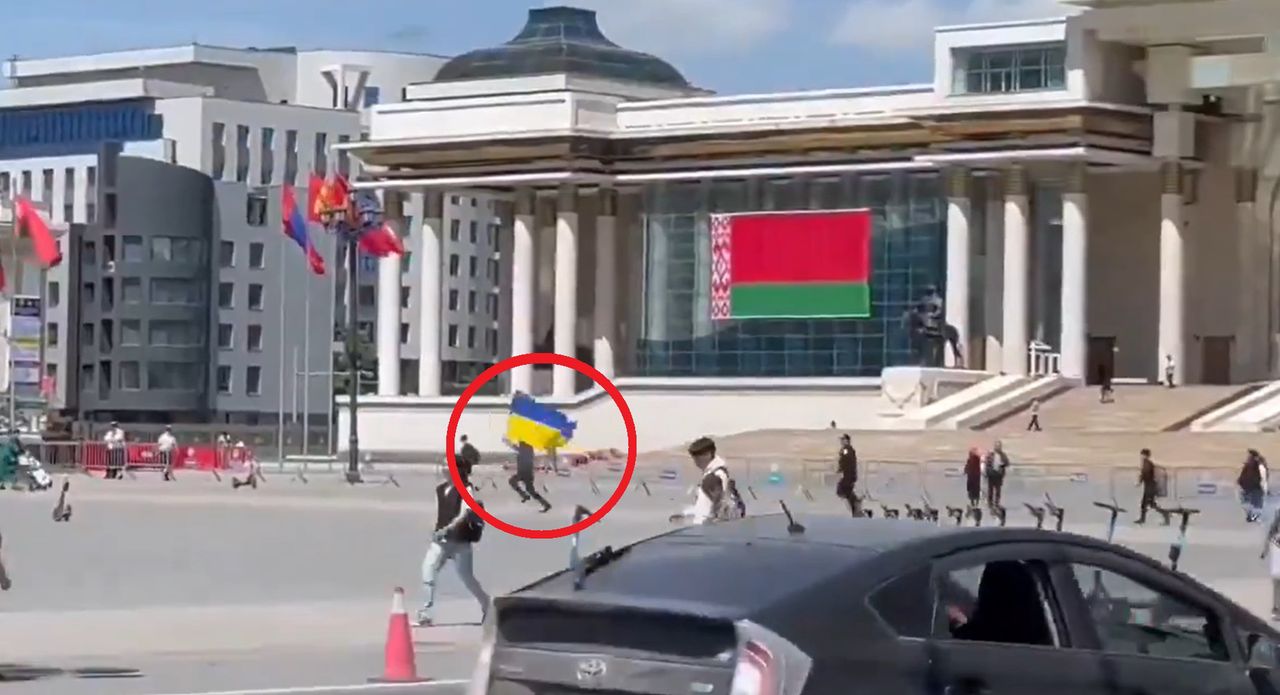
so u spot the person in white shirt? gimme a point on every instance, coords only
(244, 456)
(716, 497)
(114, 439)
(166, 444)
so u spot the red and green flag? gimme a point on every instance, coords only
(800, 264)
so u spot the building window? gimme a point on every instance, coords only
(372, 95)
(491, 341)
(404, 297)
(1010, 69)
(25, 190)
(321, 154)
(5, 178)
(257, 253)
(131, 290)
(404, 334)
(255, 297)
(54, 294)
(471, 301)
(253, 381)
(68, 194)
(474, 231)
(453, 300)
(473, 266)
(908, 251)
(130, 376)
(46, 185)
(133, 251)
(268, 164)
(453, 335)
(170, 333)
(367, 296)
(493, 235)
(226, 336)
(255, 211)
(51, 334)
(454, 263)
(226, 254)
(224, 380)
(242, 153)
(226, 295)
(90, 194)
(110, 208)
(492, 302)
(181, 291)
(255, 338)
(290, 156)
(344, 158)
(87, 334)
(471, 337)
(219, 141)
(492, 270)
(455, 230)
(130, 333)
(176, 376)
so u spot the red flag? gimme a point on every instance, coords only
(46, 247)
(316, 198)
(316, 260)
(382, 242)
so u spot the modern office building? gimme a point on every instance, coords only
(174, 159)
(1097, 187)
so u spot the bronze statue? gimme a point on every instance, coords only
(929, 331)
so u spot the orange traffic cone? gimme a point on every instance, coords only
(400, 666)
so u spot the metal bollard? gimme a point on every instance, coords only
(642, 485)
(889, 512)
(1175, 550)
(975, 513)
(914, 513)
(956, 514)
(752, 491)
(804, 491)
(595, 489)
(1058, 512)
(1001, 514)
(1037, 513)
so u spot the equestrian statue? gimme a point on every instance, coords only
(929, 331)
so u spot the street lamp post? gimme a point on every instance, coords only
(359, 215)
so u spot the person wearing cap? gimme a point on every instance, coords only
(165, 444)
(114, 439)
(458, 528)
(1253, 485)
(847, 466)
(716, 497)
(1147, 481)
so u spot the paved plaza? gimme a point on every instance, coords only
(188, 587)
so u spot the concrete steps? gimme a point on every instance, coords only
(1135, 409)
(1053, 447)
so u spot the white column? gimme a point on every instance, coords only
(606, 280)
(1249, 346)
(993, 273)
(522, 287)
(566, 306)
(1074, 340)
(957, 299)
(1173, 310)
(429, 283)
(1016, 258)
(389, 305)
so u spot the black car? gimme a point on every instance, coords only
(762, 606)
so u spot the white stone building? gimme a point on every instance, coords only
(1100, 186)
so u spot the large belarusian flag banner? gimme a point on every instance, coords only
(800, 264)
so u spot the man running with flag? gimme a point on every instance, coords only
(532, 426)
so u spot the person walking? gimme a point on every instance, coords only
(166, 445)
(847, 466)
(523, 477)
(1034, 424)
(973, 477)
(997, 465)
(1105, 393)
(469, 453)
(1253, 485)
(115, 442)
(1271, 548)
(1150, 488)
(716, 498)
(457, 531)
(1169, 370)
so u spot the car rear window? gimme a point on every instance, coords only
(741, 576)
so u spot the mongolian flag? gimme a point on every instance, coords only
(540, 426)
(295, 227)
(791, 265)
(333, 194)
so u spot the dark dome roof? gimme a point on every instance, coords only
(561, 40)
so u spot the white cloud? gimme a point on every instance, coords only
(688, 26)
(902, 26)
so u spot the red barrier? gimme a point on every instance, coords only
(94, 456)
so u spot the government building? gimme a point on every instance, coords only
(1091, 194)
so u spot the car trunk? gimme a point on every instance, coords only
(548, 647)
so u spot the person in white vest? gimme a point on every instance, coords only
(115, 441)
(716, 497)
(166, 445)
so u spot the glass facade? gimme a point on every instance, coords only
(1010, 69)
(75, 128)
(678, 337)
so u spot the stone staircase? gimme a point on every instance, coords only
(1135, 409)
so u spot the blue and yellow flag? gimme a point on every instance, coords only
(540, 426)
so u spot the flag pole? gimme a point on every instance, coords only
(281, 366)
(333, 318)
(293, 412)
(306, 366)
(13, 293)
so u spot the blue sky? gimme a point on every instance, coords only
(731, 46)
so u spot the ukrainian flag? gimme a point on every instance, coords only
(540, 426)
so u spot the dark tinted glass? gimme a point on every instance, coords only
(906, 603)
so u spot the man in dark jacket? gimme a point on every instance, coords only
(524, 477)
(847, 464)
(1150, 488)
(457, 530)
(469, 453)
(1253, 485)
